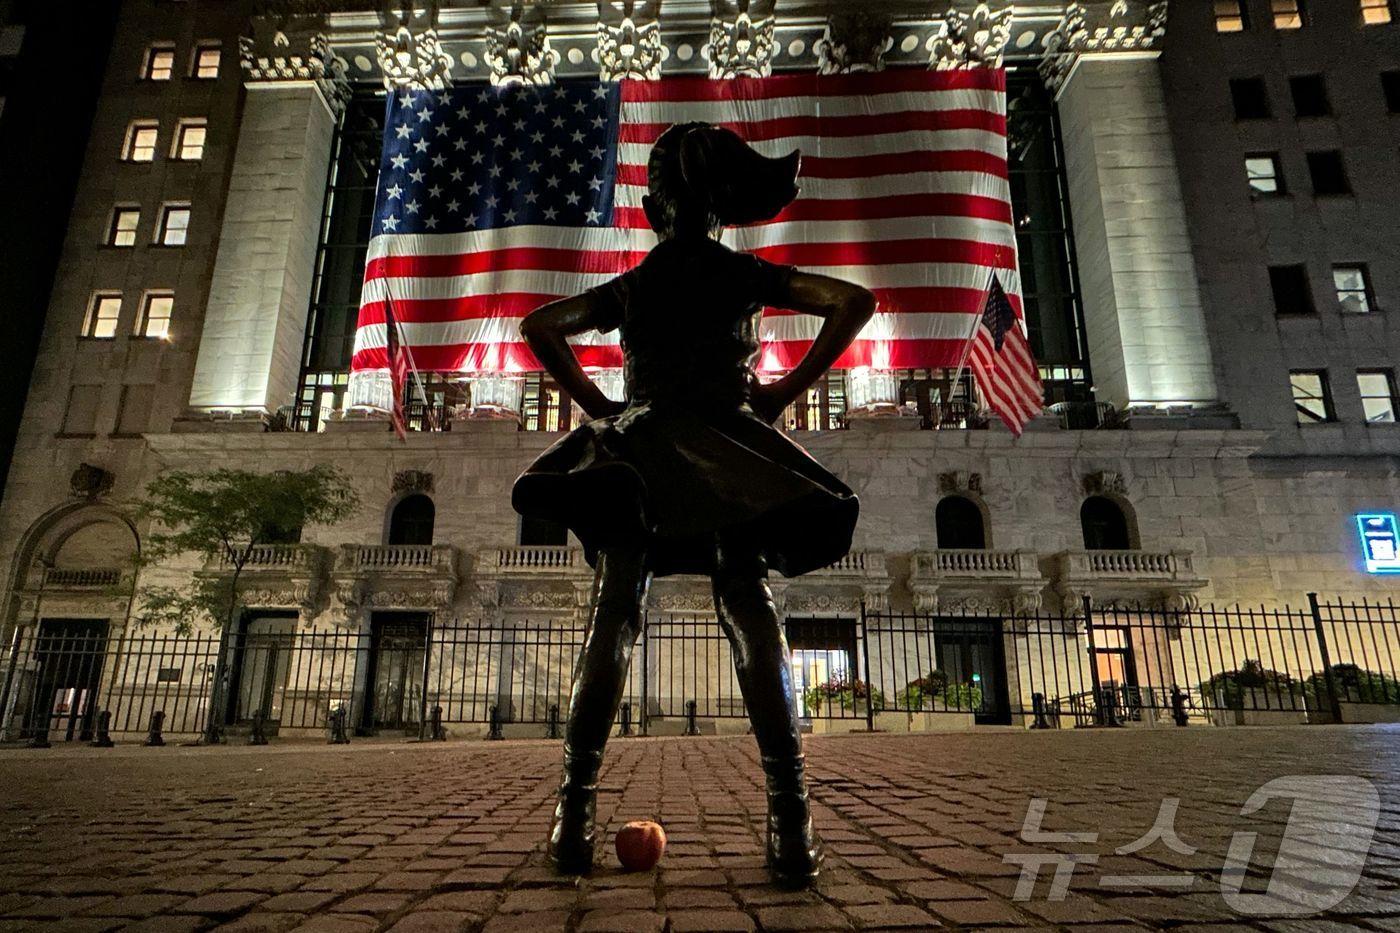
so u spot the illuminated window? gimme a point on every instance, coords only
(174, 225)
(1378, 395)
(155, 315)
(189, 139)
(1230, 16)
(141, 139)
(1353, 284)
(159, 64)
(101, 323)
(1289, 14)
(1376, 12)
(1311, 399)
(1264, 174)
(206, 60)
(122, 230)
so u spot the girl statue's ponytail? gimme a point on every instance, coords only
(702, 177)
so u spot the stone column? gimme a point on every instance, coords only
(1142, 304)
(251, 346)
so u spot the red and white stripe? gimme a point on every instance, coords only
(1009, 380)
(904, 190)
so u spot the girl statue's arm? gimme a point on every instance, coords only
(545, 330)
(844, 307)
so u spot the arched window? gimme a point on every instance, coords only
(1105, 525)
(412, 520)
(959, 523)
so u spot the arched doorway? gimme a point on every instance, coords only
(960, 524)
(411, 521)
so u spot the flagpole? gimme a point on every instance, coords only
(408, 352)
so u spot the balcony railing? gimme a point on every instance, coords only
(95, 578)
(858, 563)
(277, 557)
(412, 558)
(974, 562)
(1126, 565)
(526, 558)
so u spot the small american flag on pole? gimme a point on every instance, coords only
(398, 371)
(492, 201)
(1002, 363)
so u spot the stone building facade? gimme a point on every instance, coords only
(1176, 470)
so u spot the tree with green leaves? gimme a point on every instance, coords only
(223, 516)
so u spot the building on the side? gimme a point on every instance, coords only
(1207, 217)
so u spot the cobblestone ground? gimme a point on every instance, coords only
(449, 836)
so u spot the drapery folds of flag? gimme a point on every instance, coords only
(1002, 364)
(493, 201)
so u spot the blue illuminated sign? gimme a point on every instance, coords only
(1380, 542)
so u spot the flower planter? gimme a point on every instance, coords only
(1260, 707)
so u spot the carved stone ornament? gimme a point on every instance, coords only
(294, 49)
(1122, 27)
(410, 54)
(820, 602)
(90, 481)
(629, 47)
(681, 601)
(854, 42)
(741, 39)
(517, 53)
(1105, 483)
(960, 481)
(412, 481)
(970, 40)
(1063, 45)
(527, 596)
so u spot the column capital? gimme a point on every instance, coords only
(1100, 27)
(289, 49)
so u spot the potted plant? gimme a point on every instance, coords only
(1255, 695)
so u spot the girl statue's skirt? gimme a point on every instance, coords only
(668, 480)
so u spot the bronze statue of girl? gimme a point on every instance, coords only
(688, 475)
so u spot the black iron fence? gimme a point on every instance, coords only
(1331, 662)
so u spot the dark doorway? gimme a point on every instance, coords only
(394, 695)
(959, 524)
(262, 656)
(68, 656)
(971, 655)
(1104, 524)
(412, 520)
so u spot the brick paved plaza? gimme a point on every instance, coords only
(448, 836)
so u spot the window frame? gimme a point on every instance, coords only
(1392, 393)
(1324, 396)
(148, 63)
(92, 318)
(163, 227)
(124, 407)
(143, 319)
(1346, 189)
(1308, 307)
(1258, 81)
(1280, 186)
(1300, 11)
(114, 229)
(201, 47)
(133, 130)
(1367, 292)
(1293, 84)
(182, 128)
(1388, 6)
(1240, 15)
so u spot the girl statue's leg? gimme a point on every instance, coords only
(746, 612)
(619, 592)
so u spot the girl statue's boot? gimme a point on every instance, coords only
(794, 850)
(572, 837)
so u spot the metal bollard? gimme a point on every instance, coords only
(103, 738)
(153, 736)
(257, 734)
(339, 734)
(40, 738)
(1038, 707)
(626, 719)
(691, 726)
(552, 722)
(496, 731)
(1179, 705)
(436, 733)
(1108, 707)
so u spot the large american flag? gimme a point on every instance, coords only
(493, 201)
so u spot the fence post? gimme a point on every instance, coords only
(625, 714)
(218, 697)
(1179, 714)
(1099, 717)
(552, 722)
(692, 727)
(1334, 701)
(435, 731)
(103, 738)
(869, 683)
(646, 679)
(339, 734)
(427, 666)
(496, 732)
(1038, 707)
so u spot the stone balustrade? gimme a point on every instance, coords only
(409, 558)
(82, 578)
(532, 559)
(1125, 577)
(288, 558)
(858, 563)
(955, 579)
